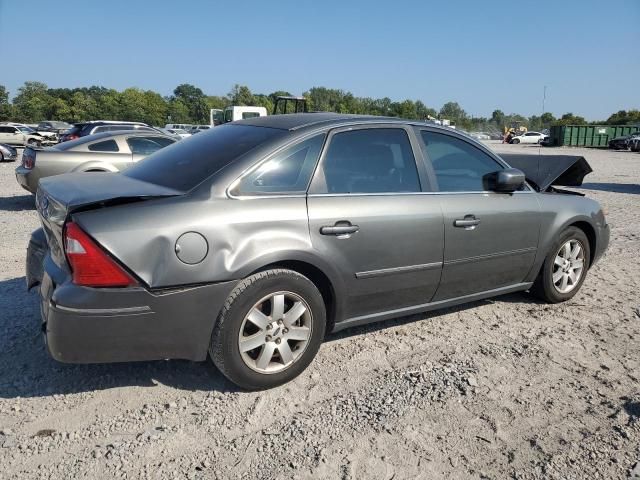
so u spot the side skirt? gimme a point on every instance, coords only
(425, 307)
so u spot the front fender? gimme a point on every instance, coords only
(559, 211)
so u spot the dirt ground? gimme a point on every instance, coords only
(505, 388)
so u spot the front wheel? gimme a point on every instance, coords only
(33, 143)
(515, 141)
(269, 329)
(564, 268)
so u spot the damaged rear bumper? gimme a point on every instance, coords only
(102, 325)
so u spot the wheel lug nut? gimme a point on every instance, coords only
(286, 330)
(269, 326)
(268, 338)
(278, 341)
(280, 322)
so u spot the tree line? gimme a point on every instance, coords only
(35, 101)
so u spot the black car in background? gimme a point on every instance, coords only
(623, 142)
(53, 126)
(99, 126)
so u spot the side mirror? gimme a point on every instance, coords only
(507, 180)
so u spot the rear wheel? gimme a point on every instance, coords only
(1, 157)
(565, 267)
(269, 330)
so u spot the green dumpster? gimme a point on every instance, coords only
(588, 135)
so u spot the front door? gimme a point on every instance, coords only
(491, 238)
(369, 216)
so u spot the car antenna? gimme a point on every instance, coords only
(544, 98)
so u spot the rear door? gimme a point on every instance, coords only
(491, 238)
(368, 214)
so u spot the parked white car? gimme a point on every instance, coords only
(21, 136)
(176, 132)
(480, 135)
(24, 128)
(529, 137)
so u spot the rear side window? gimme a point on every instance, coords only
(458, 165)
(375, 160)
(250, 115)
(185, 164)
(144, 145)
(106, 146)
(163, 141)
(288, 171)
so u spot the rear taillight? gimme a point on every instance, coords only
(29, 158)
(90, 265)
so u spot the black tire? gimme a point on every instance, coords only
(224, 349)
(544, 287)
(1, 157)
(515, 141)
(33, 143)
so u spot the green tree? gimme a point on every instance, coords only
(5, 106)
(454, 112)
(498, 118)
(623, 117)
(423, 112)
(178, 112)
(82, 107)
(570, 119)
(195, 101)
(31, 103)
(241, 95)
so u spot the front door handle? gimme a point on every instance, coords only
(469, 222)
(340, 228)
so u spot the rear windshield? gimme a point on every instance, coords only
(185, 164)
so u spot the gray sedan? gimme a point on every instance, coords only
(251, 241)
(102, 152)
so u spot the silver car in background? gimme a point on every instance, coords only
(102, 152)
(8, 153)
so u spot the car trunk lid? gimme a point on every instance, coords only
(59, 196)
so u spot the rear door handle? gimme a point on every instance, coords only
(339, 228)
(468, 222)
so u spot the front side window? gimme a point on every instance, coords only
(288, 171)
(458, 165)
(373, 160)
(106, 146)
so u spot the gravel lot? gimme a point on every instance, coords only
(507, 388)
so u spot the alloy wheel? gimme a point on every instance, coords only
(568, 266)
(275, 332)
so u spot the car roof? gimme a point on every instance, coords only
(300, 121)
(121, 133)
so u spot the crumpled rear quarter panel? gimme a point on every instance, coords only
(238, 232)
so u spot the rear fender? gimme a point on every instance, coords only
(95, 166)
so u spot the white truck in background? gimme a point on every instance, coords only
(233, 113)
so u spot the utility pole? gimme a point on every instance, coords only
(544, 97)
